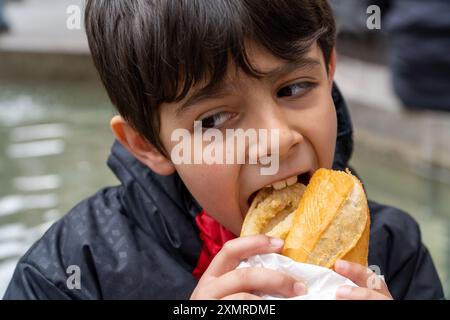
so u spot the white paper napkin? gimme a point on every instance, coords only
(322, 283)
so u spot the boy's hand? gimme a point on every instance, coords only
(370, 288)
(222, 281)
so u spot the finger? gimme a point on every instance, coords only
(239, 249)
(242, 296)
(262, 280)
(361, 276)
(358, 293)
(353, 271)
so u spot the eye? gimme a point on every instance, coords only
(296, 89)
(216, 120)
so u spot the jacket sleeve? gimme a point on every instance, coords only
(46, 271)
(396, 247)
(28, 283)
(425, 283)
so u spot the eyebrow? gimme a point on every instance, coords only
(222, 90)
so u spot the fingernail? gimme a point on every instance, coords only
(276, 242)
(299, 288)
(344, 292)
(342, 265)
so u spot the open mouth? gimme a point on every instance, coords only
(303, 178)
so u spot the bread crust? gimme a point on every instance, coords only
(330, 221)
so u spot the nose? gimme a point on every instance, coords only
(272, 118)
(288, 139)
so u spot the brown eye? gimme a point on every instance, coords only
(216, 120)
(296, 89)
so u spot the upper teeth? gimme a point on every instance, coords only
(283, 183)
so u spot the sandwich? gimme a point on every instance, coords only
(324, 221)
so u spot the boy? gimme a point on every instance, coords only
(169, 230)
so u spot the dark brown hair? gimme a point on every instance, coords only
(152, 51)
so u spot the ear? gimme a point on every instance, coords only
(332, 67)
(143, 150)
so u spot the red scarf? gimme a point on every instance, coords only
(213, 235)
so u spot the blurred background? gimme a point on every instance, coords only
(54, 116)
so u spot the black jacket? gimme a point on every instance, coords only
(139, 240)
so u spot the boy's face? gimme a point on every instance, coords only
(298, 102)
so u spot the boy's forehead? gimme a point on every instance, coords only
(262, 61)
(265, 62)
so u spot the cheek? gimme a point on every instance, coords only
(325, 134)
(202, 179)
(319, 126)
(214, 187)
(205, 182)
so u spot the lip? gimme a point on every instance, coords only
(302, 177)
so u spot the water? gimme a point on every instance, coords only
(55, 139)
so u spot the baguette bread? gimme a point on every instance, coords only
(320, 223)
